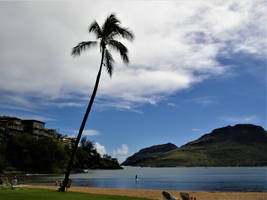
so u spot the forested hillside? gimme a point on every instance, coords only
(23, 152)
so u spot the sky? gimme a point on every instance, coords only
(194, 66)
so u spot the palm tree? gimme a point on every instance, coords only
(106, 35)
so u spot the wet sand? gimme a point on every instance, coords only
(157, 194)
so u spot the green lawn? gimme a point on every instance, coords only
(42, 194)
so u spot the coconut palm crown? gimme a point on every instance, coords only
(106, 35)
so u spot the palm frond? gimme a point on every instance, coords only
(94, 27)
(109, 62)
(76, 51)
(123, 32)
(109, 24)
(111, 28)
(121, 48)
(110, 20)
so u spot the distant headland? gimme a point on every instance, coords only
(239, 145)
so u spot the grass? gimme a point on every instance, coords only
(43, 194)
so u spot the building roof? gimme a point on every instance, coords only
(32, 120)
(8, 118)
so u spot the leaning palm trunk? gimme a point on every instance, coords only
(107, 34)
(67, 174)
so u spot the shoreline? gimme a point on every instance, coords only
(157, 194)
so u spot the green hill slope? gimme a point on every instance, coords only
(147, 155)
(240, 145)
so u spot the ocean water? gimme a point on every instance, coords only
(244, 179)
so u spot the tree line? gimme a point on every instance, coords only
(23, 152)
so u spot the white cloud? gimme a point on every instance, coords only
(172, 104)
(87, 132)
(207, 100)
(241, 119)
(121, 153)
(172, 50)
(63, 104)
(100, 149)
(11, 100)
(91, 132)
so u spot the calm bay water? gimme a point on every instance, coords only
(243, 179)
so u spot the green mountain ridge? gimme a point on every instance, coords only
(149, 153)
(239, 145)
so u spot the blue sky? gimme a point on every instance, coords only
(194, 66)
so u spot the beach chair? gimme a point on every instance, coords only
(15, 185)
(184, 196)
(168, 196)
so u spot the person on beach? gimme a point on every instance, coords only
(136, 178)
(60, 183)
(56, 183)
(15, 181)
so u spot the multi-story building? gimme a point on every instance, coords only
(2, 132)
(11, 124)
(33, 127)
(68, 140)
(37, 128)
(30, 126)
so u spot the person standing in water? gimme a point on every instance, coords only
(136, 178)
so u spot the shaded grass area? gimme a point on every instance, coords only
(43, 194)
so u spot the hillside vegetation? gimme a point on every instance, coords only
(23, 152)
(240, 145)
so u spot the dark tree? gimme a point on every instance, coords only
(106, 35)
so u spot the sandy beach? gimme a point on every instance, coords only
(156, 194)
